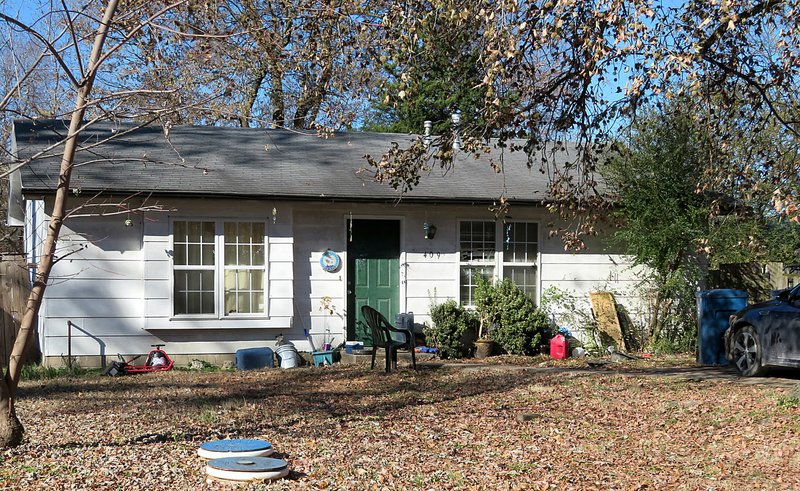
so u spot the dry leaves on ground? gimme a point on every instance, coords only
(345, 427)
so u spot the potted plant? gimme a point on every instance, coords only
(487, 307)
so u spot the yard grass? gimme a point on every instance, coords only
(344, 427)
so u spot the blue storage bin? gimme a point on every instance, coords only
(254, 358)
(350, 348)
(714, 307)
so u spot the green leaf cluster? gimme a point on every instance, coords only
(443, 75)
(452, 328)
(510, 318)
(674, 223)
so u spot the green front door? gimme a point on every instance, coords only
(373, 273)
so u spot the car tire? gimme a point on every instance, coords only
(747, 352)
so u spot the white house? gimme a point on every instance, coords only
(235, 255)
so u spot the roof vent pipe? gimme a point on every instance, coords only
(428, 127)
(456, 118)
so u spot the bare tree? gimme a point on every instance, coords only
(83, 70)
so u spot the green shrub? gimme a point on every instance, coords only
(453, 326)
(514, 322)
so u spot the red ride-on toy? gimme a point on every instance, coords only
(157, 361)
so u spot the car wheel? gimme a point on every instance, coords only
(747, 352)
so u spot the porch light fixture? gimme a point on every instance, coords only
(430, 230)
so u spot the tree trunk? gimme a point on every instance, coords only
(251, 96)
(11, 429)
(276, 96)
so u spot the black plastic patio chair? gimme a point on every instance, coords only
(381, 332)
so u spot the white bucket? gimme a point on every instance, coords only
(288, 355)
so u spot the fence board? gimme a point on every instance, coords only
(13, 298)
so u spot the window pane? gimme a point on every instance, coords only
(244, 255)
(209, 232)
(208, 303)
(258, 302)
(230, 255)
(468, 284)
(194, 234)
(244, 291)
(244, 303)
(179, 231)
(245, 233)
(258, 252)
(180, 302)
(194, 305)
(230, 302)
(192, 280)
(258, 233)
(230, 232)
(194, 292)
(524, 277)
(477, 241)
(230, 279)
(180, 254)
(243, 282)
(193, 243)
(257, 278)
(208, 255)
(521, 245)
(207, 281)
(194, 255)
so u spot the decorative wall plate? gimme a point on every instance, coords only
(330, 261)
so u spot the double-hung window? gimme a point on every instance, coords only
(477, 246)
(517, 257)
(193, 245)
(520, 255)
(218, 266)
(244, 268)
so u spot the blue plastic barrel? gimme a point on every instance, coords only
(714, 307)
(253, 358)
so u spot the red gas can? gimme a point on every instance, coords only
(559, 347)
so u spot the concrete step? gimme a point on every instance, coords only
(402, 357)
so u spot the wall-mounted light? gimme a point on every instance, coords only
(430, 230)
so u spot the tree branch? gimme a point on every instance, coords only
(52, 49)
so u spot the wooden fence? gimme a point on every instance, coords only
(14, 289)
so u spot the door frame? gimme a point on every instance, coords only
(346, 260)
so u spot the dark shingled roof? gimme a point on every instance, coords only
(255, 163)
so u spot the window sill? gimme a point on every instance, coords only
(194, 318)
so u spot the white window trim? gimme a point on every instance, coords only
(499, 258)
(473, 264)
(218, 268)
(535, 263)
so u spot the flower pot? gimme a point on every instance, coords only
(483, 348)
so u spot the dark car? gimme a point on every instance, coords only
(765, 334)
